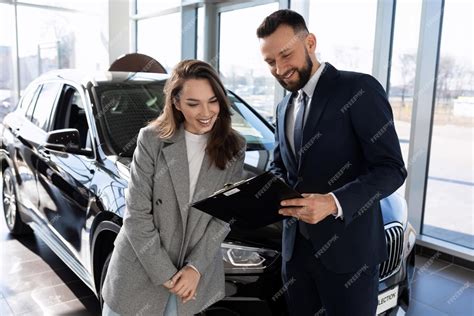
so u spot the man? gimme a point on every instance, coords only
(336, 143)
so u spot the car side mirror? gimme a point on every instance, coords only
(66, 140)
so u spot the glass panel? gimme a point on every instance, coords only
(29, 99)
(450, 188)
(45, 104)
(347, 42)
(150, 6)
(160, 38)
(79, 5)
(59, 40)
(200, 33)
(256, 133)
(403, 68)
(125, 109)
(240, 63)
(6, 59)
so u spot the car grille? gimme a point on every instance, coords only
(394, 240)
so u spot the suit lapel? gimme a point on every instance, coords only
(321, 95)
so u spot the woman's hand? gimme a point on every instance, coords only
(168, 284)
(185, 283)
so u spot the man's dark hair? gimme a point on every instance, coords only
(277, 18)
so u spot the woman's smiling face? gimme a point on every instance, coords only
(199, 105)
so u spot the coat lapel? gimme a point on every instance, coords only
(321, 95)
(208, 180)
(174, 150)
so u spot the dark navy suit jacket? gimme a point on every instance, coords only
(350, 148)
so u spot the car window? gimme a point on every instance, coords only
(28, 99)
(249, 125)
(125, 108)
(70, 113)
(45, 104)
(28, 103)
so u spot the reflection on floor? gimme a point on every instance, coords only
(34, 281)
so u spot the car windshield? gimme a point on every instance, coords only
(125, 108)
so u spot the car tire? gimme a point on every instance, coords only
(103, 274)
(10, 205)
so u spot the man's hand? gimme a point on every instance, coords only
(185, 283)
(312, 208)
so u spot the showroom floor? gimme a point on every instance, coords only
(33, 281)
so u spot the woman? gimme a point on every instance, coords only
(167, 258)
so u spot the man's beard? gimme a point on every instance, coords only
(304, 75)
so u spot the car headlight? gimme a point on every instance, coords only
(243, 259)
(409, 240)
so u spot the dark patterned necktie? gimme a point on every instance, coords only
(298, 137)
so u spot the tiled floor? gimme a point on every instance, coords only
(441, 288)
(33, 281)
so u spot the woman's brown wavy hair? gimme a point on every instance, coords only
(224, 143)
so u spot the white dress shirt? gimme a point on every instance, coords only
(291, 117)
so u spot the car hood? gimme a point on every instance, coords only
(394, 209)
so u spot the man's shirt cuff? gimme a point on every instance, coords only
(339, 208)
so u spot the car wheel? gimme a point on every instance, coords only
(102, 278)
(10, 205)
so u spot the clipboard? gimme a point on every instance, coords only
(250, 203)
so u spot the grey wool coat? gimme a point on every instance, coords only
(161, 232)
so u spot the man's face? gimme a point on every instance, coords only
(287, 55)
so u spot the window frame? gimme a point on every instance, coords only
(80, 90)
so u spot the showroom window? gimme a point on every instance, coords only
(160, 38)
(403, 69)
(240, 62)
(345, 37)
(448, 213)
(69, 4)
(200, 34)
(6, 60)
(59, 39)
(150, 6)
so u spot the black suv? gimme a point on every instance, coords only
(65, 155)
